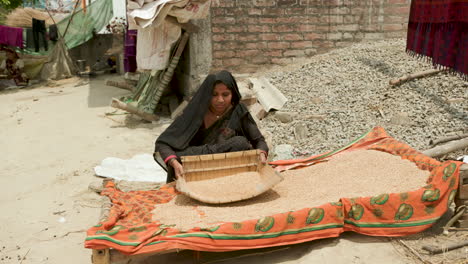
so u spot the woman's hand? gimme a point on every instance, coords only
(263, 157)
(178, 168)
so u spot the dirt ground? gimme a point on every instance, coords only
(54, 135)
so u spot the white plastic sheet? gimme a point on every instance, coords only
(141, 167)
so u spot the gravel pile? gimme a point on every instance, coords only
(350, 88)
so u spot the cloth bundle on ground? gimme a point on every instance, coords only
(130, 229)
(439, 30)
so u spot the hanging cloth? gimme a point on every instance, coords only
(39, 34)
(11, 36)
(439, 30)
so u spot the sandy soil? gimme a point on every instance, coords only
(53, 136)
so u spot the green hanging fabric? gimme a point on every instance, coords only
(97, 16)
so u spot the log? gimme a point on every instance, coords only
(447, 148)
(447, 139)
(116, 103)
(122, 85)
(436, 250)
(409, 77)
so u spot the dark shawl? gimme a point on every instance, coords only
(179, 134)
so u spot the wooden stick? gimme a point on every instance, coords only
(447, 139)
(409, 77)
(447, 148)
(122, 85)
(116, 103)
(436, 250)
(415, 253)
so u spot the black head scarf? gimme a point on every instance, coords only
(184, 127)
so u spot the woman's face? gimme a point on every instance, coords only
(221, 98)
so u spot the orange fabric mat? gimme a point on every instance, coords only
(130, 228)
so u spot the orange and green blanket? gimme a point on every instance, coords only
(131, 230)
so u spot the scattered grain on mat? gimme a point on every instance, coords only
(237, 185)
(358, 173)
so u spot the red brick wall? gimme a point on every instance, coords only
(248, 34)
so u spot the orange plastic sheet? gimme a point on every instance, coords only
(130, 229)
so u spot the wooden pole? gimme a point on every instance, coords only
(409, 77)
(436, 250)
(134, 110)
(447, 139)
(447, 148)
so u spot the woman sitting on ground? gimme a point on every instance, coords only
(13, 68)
(213, 122)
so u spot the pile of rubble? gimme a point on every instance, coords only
(335, 97)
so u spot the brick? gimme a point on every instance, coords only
(247, 20)
(397, 10)
(259, 28)
(371, 27)
(347, 35)
(313, 11)
(288, 2)
(374, 36)
(215, 29)
(331, 19)
(293, 36)
(348, 19)
(224, 54)
(263, 3)
(294, 53)
(295, 11)
(334, 36)
(291, 20)
(243, 3)
(301, 44)
(254, 11)
(313, 36)
(397, 1)
(396, 19)
(306, 28)
(339, 11)
(273, 12)
(282, 28)
(218, 12)
(256, 45)
(247, 37)
(357, 10)
(229, 45)
(273, 53)
(246, 53)
(350, 27)
(392, 27)
(224, 3)
(260, 60)
(235, 29)
(395, 34)
(266, 20)
(232, 62)
(278, 45)
(223, 20)
(269, 36)
(222, 37)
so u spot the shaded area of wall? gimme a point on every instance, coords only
(247, 34)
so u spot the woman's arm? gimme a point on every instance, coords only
(254, 135)
(170, 158)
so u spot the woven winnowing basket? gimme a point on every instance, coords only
(208, 167)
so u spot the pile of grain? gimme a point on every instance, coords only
(234, 186)
(355, 174)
